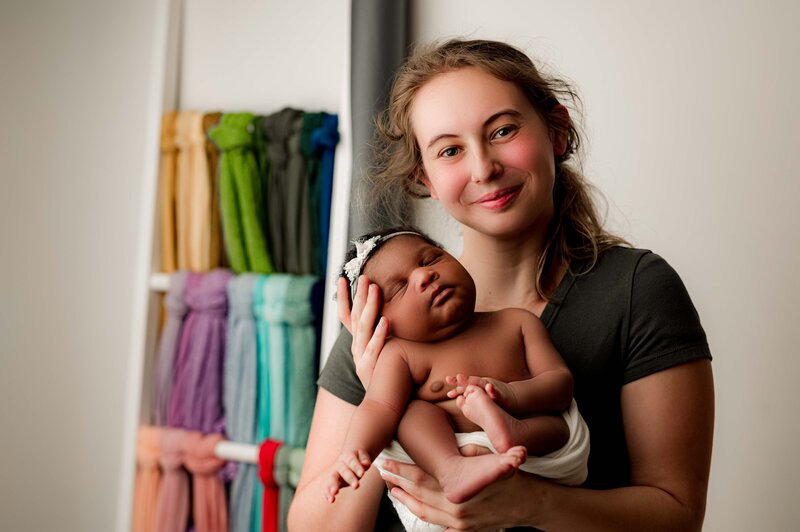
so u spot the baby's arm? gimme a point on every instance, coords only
(374, 422)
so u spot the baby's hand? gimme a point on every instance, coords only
(346, 471)
(499, 391)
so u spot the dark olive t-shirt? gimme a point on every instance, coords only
(628, 317)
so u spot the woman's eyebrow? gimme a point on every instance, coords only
(510, 112)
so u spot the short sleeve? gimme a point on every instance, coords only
(339, 374)
(664, 327)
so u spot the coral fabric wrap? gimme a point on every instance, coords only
(169, 261)
(172, 508)
(209, 508)
(266, 461)
(196, 399)
(240, 394)
(148, 475)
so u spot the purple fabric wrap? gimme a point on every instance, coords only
(168, 345)
(196, 399)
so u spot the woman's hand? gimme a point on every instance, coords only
(500, 505)
(368, 339)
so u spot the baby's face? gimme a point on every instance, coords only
(427, 294)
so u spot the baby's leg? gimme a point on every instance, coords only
(427, 436)
(539, 434)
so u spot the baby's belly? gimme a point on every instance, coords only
(461, 423)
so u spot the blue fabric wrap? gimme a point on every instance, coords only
(240, 394)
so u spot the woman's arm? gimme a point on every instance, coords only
(354, 509)
(669, 420)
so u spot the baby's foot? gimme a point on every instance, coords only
(478, 407)
(464, 477)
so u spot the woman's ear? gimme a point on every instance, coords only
(558, 117)
(422, 178)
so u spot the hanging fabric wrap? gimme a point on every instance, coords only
(172, 508)
(215, 254)
(145, 496)
(263, 384)
(209, 509)
(300, 249)
(193, 193)
(323, 145)
(311, 123)
(266, 461)
(241, 195)
(287, 344)
(240, 394)
(280, 131)
(286, 474)
(196, 399)
(169, 261)
(168, 345)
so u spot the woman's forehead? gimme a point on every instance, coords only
(459, 99)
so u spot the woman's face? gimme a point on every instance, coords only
(488, 156)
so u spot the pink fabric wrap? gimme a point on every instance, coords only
(172, 510)
(148, 475)
(209, 507)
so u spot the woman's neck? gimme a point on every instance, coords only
(504, 270)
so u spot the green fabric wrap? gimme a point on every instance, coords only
(241, 195)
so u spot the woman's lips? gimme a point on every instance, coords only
(499, 198)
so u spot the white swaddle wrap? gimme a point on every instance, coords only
(567, 465)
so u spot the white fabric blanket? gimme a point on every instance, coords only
(567, 465)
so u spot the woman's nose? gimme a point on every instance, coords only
(484, 165)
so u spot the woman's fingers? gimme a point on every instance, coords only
(343, 303)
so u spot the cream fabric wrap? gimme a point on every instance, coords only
(567, 465)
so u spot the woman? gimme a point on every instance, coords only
(475, 125)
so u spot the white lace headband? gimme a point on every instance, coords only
(352, 268)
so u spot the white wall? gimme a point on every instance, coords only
(73, 95)
(78, 146)
(692, 118)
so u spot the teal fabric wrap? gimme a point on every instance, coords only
(286, 473)
(241, 195)
(289, 313)
(240, 394)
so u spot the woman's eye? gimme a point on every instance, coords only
(449, 152)
(504, 131)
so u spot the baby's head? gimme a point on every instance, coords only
(427, 294)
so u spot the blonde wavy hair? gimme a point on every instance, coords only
(576, 233)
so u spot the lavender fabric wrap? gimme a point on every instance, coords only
(168, 345)
(196, 399)
(240, 394)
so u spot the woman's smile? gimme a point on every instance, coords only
(499, 199)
